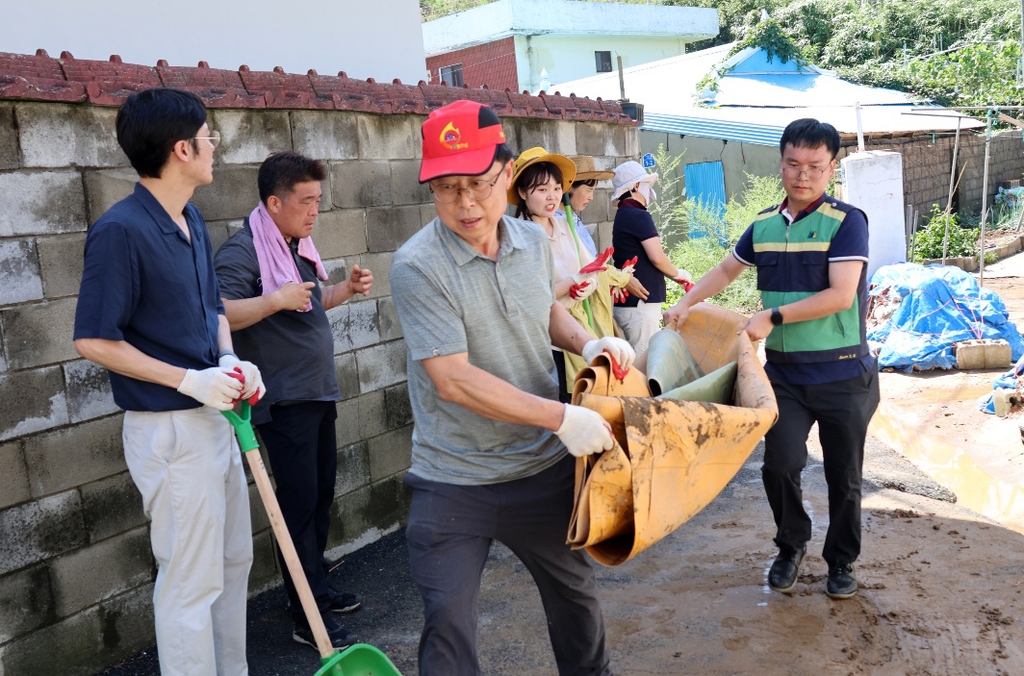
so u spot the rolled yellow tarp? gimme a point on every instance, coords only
(671, 458)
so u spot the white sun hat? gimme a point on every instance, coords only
(627, 175)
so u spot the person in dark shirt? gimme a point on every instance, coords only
(270, 275)
(149, 311)
(634, 234)
(811, 255)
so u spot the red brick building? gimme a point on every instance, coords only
(492, 64)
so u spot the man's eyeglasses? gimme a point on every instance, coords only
(813, 173)
(449, 193)
(213, 138)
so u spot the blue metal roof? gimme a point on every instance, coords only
(729, 130)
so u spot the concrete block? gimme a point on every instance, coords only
(10, 156)
(381, 365)
(221, 230)
(325, 135)
(248, 136)
(54, 135)
(380, 264)
(599, 209)
(389, 137)
(14, 487)
(632, 142)
(111, 505)
(233, 193)
(348, 375)
(390, 453)
(86, 642)
(405, 184)
(349, 517)
(366, 514)
(40, 333)
(397, 405)
(354, 325)
(388, 228)
(561, 137)
(88, 391)
(100, 571)
(361, 184)
(340, 232)
(387, 317)
(264, 571)
(60, 260)
(372, 414)
(74, 455)
(982, 353)
(34, 531)
(597, 138)
(33, 401)
(427, 213)
(346, 427)
(353, 469)
(41, 203)
(106, 187)
(3, 356)
(20, 279)
(25, 602)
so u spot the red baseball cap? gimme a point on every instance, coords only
(460, 139)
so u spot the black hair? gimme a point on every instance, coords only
(531, 177)
(588, 182)
(151, 121)
(809, 133)
(281, 171)
(502, 154)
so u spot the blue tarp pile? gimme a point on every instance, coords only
(932, 308)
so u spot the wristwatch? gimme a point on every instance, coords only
(776, 317)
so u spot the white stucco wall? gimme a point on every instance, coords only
(380, 39)
(571, 57)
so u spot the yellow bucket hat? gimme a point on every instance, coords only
(534, 156)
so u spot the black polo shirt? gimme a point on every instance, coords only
(145, 283)
(633, 225)
(293, 350)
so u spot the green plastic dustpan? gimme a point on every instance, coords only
(360, 659)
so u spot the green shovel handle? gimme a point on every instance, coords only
(241, 419)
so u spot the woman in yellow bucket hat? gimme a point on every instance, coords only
(539, 180)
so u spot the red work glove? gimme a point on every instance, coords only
(584, 286)
(237, 375)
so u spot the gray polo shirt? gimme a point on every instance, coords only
(293, 350)
(451, 300)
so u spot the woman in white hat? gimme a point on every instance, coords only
(634, 234)
(538, 183)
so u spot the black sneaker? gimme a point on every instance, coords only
(841, 582)
(340, 637)
(345, 602)
(783, 573)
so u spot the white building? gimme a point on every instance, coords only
(381, 39)
(514, 43)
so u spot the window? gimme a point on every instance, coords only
(603, 62)
(452, 75)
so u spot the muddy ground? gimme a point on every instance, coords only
(942, 586)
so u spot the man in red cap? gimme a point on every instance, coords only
(473, 290)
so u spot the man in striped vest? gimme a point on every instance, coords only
(811, 256)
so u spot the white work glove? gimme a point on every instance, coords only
(683, 279)
(253, 385)
(212, 387)
(583, 286)
(584, 432)
(619, 350)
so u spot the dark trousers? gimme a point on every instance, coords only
(302, 448)
(564, 393)
(842, 410)
(449, 535)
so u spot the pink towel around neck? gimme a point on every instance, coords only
(277, 267)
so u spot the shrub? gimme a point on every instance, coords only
(929, 240)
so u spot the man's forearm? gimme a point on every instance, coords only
(123, 358)
(336, 294)
(565, 332)
(245, 312)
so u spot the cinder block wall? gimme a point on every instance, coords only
(76, 571)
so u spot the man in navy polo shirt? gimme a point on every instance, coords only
(149, 311)
(811, 255)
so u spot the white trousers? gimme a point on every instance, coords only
(188, 468)
(639, 324)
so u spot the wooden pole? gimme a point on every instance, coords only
(952, 177)
(984, 197)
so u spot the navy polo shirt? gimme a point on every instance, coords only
(145, 283)
(634, 225)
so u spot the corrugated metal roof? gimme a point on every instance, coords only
(729, 130)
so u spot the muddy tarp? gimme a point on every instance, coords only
(917, 313)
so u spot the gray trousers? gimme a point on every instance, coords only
(449, 536)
